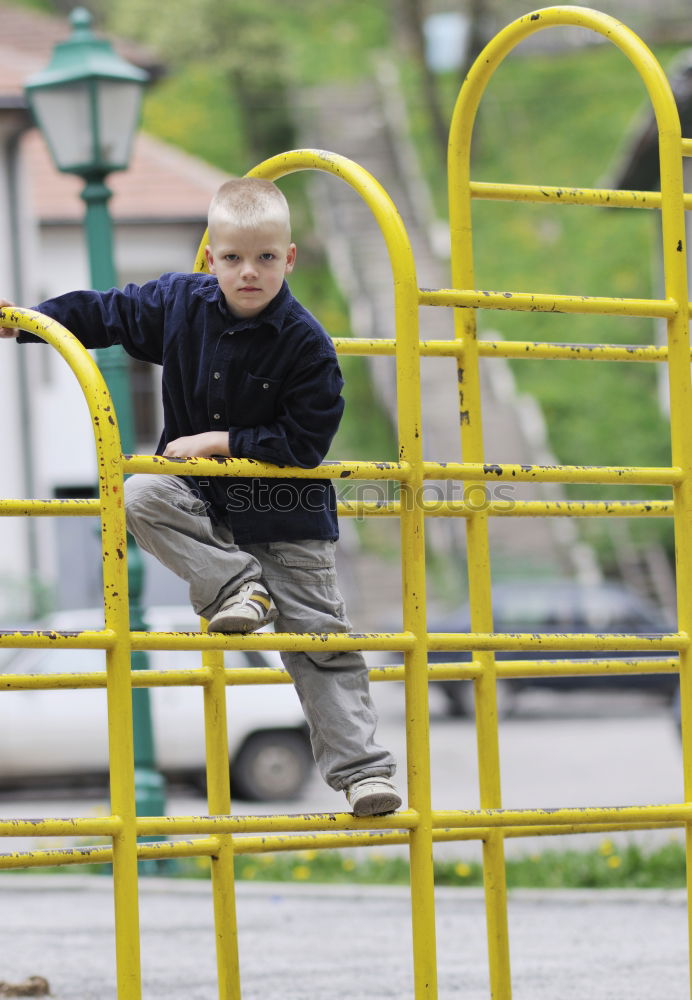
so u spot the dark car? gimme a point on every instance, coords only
(551, 606)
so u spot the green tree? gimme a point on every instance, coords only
(234, 38)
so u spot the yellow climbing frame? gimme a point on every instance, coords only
(220, 834)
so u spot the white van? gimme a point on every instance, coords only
(62, 734)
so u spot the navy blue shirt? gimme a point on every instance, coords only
(272, 382)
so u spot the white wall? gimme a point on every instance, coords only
(62, 440)
(14, 532)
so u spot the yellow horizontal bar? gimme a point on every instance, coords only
(347, 508)
(45, 858)
(198, 677)
(245, 467)
(148, 826)
(552, 473)
(543, 302)
(48, 857)
(467, 670)
(583, 508)
(514, 349)
(317, 841)
(50, 508)
(194, 677)
(274, 640)
(446, 641)
(571, 352)
(579, 667)
(363, 345)
(515, 508)
(51, 639)
(482, 833)
(547, 194)
(618, 816)
(104, 826)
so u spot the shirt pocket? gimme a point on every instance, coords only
(256, 400)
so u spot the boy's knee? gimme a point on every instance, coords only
(138, 489)
(146, 496)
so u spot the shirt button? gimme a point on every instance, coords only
(217, 375)
(217, 416)
(265, 385)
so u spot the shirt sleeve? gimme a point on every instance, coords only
(132, 317)
(310, 411)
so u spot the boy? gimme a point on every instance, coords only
(248, 372)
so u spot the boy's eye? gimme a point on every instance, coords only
(231, 256)
(267, 256)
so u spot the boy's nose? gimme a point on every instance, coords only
(249, 269)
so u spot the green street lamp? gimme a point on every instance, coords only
(86, 102)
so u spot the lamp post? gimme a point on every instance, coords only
(86, 102)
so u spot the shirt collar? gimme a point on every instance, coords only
(273, 315)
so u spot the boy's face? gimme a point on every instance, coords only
(250, 264)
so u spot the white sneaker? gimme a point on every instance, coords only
(373, 797)
(248, 609)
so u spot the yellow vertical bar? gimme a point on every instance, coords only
(406, 298)
(678, 330)
(118, 674)
(119, 695)
(413, 566)
(676, 282)
(478, 545)
(219, 804)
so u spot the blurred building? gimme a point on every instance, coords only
(159, 209)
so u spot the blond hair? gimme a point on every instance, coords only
(247, 202)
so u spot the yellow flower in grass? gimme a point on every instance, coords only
(249, 871)
(614, 861)
(462, 869)
(307, 855)
(348, 864)
(301, 872)
(267, 859)
(606, 848)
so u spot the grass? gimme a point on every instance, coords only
(610, 866)
(607, 867)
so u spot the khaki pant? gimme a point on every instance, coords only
(168, 520)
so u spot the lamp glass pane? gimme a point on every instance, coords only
(118, 114)
(63, 115)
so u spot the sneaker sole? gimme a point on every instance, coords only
(242, 625)
(376, 805)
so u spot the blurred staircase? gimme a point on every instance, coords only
(366, 122)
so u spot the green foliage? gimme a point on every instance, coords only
(607, 867)
(191, 109)
(258, 58)
(610, 866)
(45, 5)
(560, 120)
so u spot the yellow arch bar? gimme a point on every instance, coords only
(220, 834)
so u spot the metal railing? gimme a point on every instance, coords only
(220, 835)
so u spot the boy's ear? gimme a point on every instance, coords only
(210, 258)
(290, 257)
